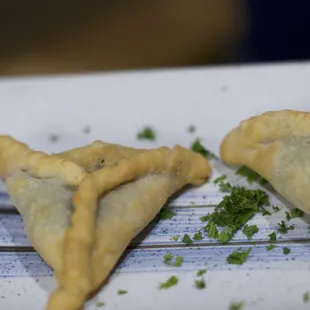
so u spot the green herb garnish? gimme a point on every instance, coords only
(198, 235)
(294, 213)
(234, 211)
(236, 305)
(204, 218)
(201, 272)
(249, 231)
(305, 297)
(211, 230)
(177, 261)
(200, 284)
(146, 134)
(270, 247)
(175, 238)
(276, 209)
(173, 280)
(219, 179)
(238, 257)
(166, 214)
(286, 251)
(186, 239)
(265, 212)
(272, 236)
(100, 304)
(122, 292)
(198, 148)
(283, 229)
(225, 187)
(251, 175)
(191, 129)
(226, 234)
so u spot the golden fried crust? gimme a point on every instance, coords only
(15, 155)
(277, 146)
(98, 155)
(81, 276)
(110, 204)
(254, 141)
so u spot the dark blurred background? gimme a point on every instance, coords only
(47, 37)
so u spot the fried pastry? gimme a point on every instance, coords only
(81, 208)
(276, 145)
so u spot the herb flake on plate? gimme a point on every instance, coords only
(236, 305)
(166, 214)
(170, 260)
(238, 257)
(200, 284)
(272, 236)
(172, 281)
(186, 239)
(283, 229)
(249, 231)
(270, 247)
(199, 148)
(146, 134)
(198, 235)
(293, 214)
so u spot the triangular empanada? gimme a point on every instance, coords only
(81, 208)
(276, 145)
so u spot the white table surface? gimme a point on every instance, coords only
(115, 107)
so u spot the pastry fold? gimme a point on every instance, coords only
(81, 208)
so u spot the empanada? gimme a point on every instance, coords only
(277, 146)
(81, 208)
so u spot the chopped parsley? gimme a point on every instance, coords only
(146, 134)
(186, 239)
(270, 247)
(205, 218)
(305, 297)
(276, 209)
(272, 236)
(201, 272)
(178, 260)
(191, 129)
(175, 238)
(249, 231)
(200, 284)
(211, 230)
(226, 234)
(251, 175)
(100, 304)
(286, 251)
(235, 210)
(265, 212)
(173, 280)
(219, 179)
(294, 213)
(198, 148)
(224, 186)
(166, 214)
(236, 305)
(198, 235)
(122, 292)
(283, 229)
(238, 257)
